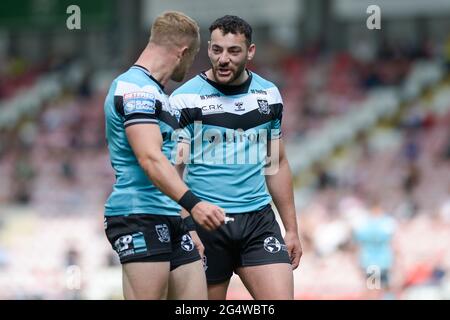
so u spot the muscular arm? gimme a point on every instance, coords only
(146, 142)
(280, 188)
(181, 158)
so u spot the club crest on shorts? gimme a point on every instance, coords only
(272, 245)
(263, 106)
(186, 243)
(163, 232)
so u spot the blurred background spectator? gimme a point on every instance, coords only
(374, 239)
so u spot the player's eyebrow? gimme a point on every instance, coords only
(233, 48)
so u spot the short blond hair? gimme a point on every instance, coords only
(174, 28)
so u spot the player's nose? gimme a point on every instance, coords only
(224, 59)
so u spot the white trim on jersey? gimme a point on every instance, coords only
(141, 120)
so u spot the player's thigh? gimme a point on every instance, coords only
(220, 254)
(269, 281)
(265, 267)
(187, 276)
(145, 280)
(188, 282)
(218, 291)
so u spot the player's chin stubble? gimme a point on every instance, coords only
(236, 74)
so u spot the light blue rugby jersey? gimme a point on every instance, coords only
(374, 237)
(228, 128)
(136, 97)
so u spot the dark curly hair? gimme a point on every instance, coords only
(233, 24)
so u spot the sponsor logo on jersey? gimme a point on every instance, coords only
(139, 102)
(256, 91)
(209, 96)
(239, 106)
(212, 108)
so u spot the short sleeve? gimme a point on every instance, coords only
(137, 105)
(276, 108)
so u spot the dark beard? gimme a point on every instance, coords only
(236, 75)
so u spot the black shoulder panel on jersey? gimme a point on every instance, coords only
(118, 105)
(277, 110)
(158, 106)
(169, 119)
(189, 115)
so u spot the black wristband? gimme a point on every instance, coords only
(188, 200)
(189, 223)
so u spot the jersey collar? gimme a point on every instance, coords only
(229, 90)
(147, 72)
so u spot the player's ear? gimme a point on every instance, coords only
(251, 51)
(183, 52)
